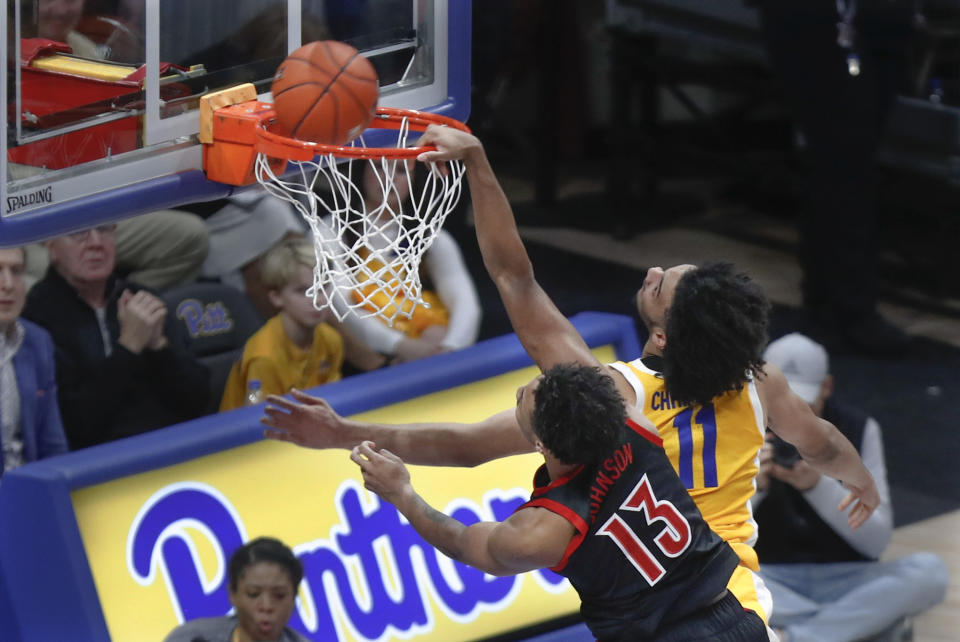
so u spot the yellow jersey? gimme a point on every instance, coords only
(271, 358)
(715, 450)
(376, 298)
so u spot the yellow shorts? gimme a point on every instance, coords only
(751, 591)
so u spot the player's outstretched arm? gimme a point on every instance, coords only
(546, 334)
(530, 539)
(311, 422)
(820, 444)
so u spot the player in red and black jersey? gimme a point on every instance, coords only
(642, 559)
(609, 511)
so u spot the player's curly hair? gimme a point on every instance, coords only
(578, 413)
(716, 332)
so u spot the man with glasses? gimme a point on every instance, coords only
(122, 367)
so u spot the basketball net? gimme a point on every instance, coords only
(368, 256)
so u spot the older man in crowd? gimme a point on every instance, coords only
(122, 366)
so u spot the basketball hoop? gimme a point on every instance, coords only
(368, 252)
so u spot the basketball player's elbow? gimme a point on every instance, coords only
(514, 280)
(824, 452)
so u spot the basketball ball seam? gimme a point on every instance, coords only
(326, 90)
(341, 84)
(336, 115)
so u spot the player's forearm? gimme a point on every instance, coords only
(441, 531)
(837, 458)
(466, 544)
(500, 244)
(439, 444)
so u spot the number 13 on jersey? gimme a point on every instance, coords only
(672, 540)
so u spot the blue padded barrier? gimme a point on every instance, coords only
(47, 590)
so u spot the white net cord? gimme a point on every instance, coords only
(368, 250)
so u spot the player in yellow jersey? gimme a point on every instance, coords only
(711, 420)
(718, 321)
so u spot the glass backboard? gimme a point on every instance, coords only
(102, 95)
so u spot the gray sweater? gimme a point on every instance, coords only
(219, 629)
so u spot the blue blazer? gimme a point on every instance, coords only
(43, 434)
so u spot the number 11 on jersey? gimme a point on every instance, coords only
(704, 420)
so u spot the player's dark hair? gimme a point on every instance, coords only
(578, 413)
(716, 333)
(264, 549)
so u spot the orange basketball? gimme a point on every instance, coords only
(325, 92)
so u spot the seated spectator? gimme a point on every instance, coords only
(241, 230)
(160, 250)
(122, 365)
(452, 320)
(264, 577)
(299, 347)
(163, 249)
(30, 427)
(826, 580)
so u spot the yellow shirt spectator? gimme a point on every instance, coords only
(295, 348)
(271, 358)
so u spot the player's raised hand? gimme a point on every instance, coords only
(383, 472)
(451, 144)
(306, 420)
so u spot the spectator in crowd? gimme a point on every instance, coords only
(30, 426)
(122, 366)
(160, 250)
(264, 575)
(826, 580)
(299, 347)
(242, 229)
(452, 318)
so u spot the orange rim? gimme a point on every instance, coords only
(279, 146)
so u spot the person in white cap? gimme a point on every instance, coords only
(825, 578)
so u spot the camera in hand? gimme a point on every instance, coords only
(784, 454)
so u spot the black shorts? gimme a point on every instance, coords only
(723, 621)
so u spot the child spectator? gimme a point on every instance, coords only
(300, 347)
